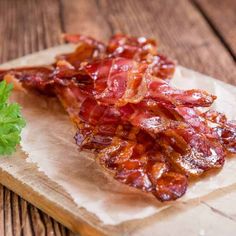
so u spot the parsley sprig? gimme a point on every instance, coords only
(11, 121)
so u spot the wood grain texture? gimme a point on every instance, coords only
(184, 33)
(222, 16)
(21, 218)
(181, 30)
(27, 26)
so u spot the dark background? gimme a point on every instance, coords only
(199, 34)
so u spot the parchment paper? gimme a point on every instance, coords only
(48, 141)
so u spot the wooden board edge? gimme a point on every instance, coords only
(77, 225)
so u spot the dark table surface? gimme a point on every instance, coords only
(199, 34)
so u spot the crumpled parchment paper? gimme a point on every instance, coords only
(48, 141)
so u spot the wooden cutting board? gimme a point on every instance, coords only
(196, 217)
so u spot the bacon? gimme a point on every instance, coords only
(161, 91)
(87, 49)
(110, 78)
(190, 152)
(38, 78)
(141, 49)
(187, 137)
(141, 166)
(162, 67)
(118, 81)
(146, 133)
(131, 47)
(226, 130)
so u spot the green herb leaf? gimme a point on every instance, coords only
(11, 121)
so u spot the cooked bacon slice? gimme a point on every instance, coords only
(119, 80)
(140, 164)
(87, 49)
(141, 49)
(162, 67)
(159, 90)
(226, 130)
(184, 138)
(131, 47)
(38, 78)
(110, 78)
(190, 152)
(148, 134)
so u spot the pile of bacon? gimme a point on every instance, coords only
(148, 134)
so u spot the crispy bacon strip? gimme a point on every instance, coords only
(118, 81)
(226, 130)
(87, 49)
(131, 47)
(139, 165)
(141, 49)
(39, 78)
